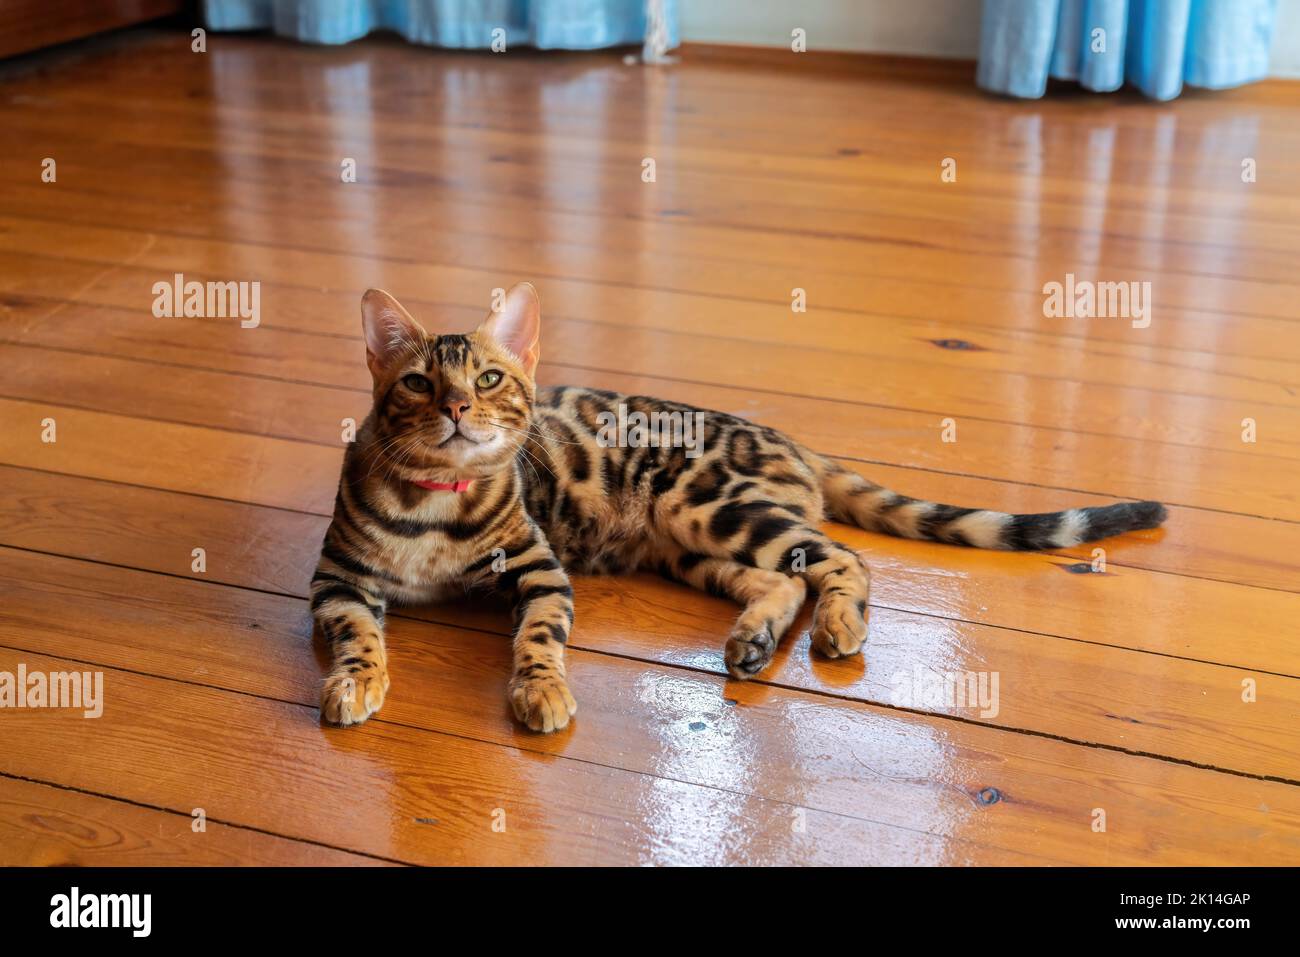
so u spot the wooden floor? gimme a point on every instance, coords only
(1121, 734)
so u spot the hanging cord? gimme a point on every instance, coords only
(656, 33)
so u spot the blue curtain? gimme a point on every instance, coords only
(1157, 45)
(545, 24)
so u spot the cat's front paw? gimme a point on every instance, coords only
(542, 702)
(349, 698)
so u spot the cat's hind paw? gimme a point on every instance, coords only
(543, 702)
(748, 652)
(839, 625)
(350, 698)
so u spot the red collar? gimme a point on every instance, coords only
(460, 486)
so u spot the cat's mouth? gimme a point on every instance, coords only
(459, 451)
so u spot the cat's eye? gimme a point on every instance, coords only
(416, 383)
(488, 379)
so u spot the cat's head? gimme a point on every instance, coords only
(455, 406)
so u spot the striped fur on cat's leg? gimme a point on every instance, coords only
(761, 520)
(351, 616)
(770, 601)
(538, 691)
(834, 571)
(844, 591)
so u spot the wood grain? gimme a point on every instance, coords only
(701, 726)
(46, 826)
(813, 367)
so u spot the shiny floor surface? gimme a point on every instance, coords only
(166, 481)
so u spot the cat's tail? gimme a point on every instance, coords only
(852, 499)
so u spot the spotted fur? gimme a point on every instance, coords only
(550, 494)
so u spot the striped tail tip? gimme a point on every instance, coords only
(1107, 520)
(1078, 525)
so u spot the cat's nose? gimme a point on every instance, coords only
(455, 406)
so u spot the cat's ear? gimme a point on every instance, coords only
(518, 325)
(389, 330)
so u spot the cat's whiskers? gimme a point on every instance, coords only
(533, 457)
(524, 447)
(534, 469)
(402, 458)
(381, 453)
(535, 433)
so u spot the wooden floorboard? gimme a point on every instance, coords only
(1123, 686)
(456, 674)
(650, 624)
(924, 381)
(52, 826)
(1128, 463)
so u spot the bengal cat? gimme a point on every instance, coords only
(465, 475)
